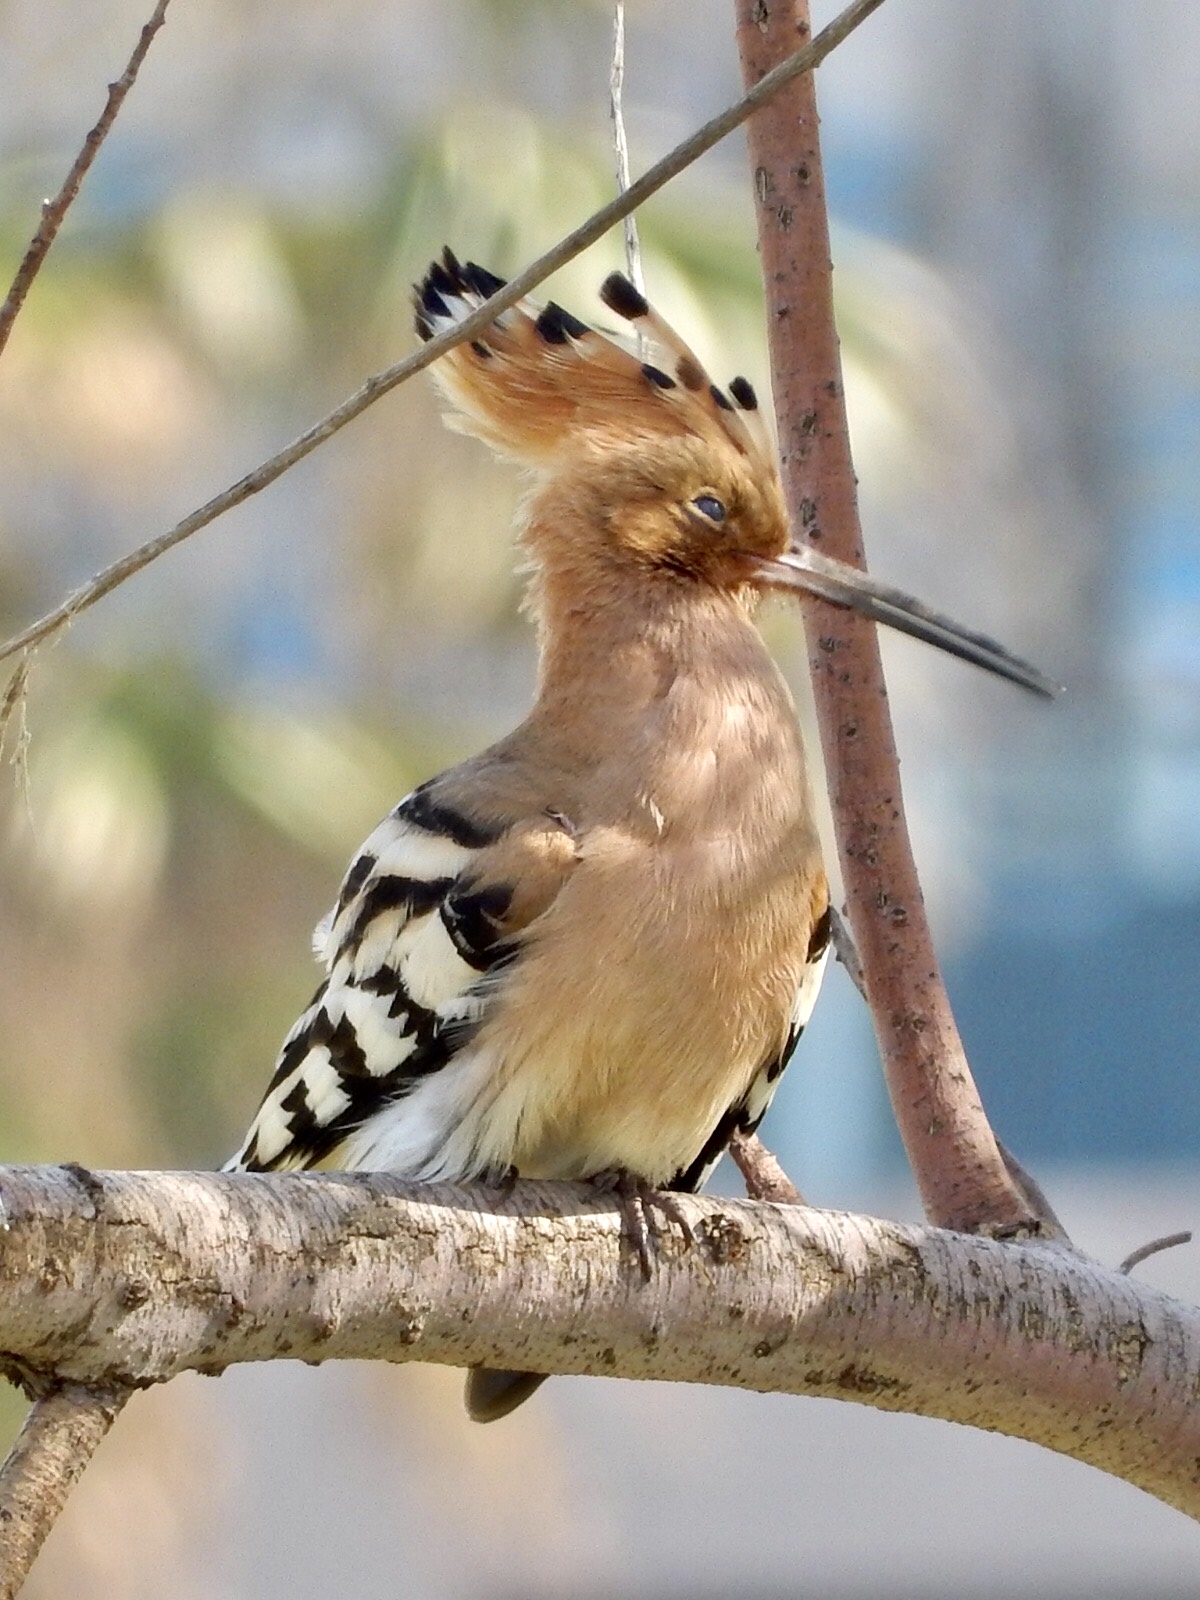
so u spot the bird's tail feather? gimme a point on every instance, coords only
(491, 1395)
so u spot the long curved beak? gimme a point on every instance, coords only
(806, 569)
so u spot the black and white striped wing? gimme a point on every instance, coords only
(407, 950)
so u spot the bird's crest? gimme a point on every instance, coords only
(547, 390)
(538, 378)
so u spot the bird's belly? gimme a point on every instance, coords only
(604, 1093)
(632, 1061)
(595, 1093)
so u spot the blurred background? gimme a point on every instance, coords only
(1017, 211)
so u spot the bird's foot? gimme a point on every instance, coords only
(639, 1201)
(503, 1182)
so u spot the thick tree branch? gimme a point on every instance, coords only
(130, 1278)
(801, 61)
(961, 1174)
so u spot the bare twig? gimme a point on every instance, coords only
(761, 1172)
(616, 85)
(961, 1175)
(12, 709)
(1033, 1195)
(60, 1436)
(846, 950)
(53, 211)
(802, 60)
(14, 715)
(1145, 1251)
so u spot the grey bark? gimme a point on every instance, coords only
(115, 1279)
(59, 1438)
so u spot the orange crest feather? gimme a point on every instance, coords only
(538, 378)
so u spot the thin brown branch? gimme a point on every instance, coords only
(159, 1273)
(14, 719)
(53, 211)
(12, 709)
(801, 61)
(761, 1172)
(962, 1178)
(61, 1434)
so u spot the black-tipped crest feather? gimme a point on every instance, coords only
(621, 296)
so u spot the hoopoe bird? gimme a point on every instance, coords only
(589, 951)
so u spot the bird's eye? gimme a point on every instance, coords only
(709, 506)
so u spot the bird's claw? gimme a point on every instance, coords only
(639, 1200)
(503, 1182)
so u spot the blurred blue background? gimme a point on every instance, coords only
(1017, 237)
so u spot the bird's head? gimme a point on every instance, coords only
(639, 460)
(642, 465)
(681, 509)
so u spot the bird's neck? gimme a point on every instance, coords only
(669, 689)
(611, 648)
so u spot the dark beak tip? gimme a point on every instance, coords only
(803, 568)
